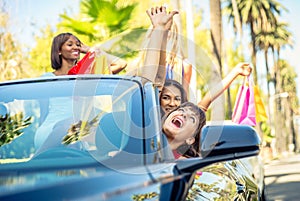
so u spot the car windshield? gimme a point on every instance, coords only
(44, 114)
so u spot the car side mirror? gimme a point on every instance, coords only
(221, 143)
(218, 140)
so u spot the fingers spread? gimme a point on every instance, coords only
(174, 12)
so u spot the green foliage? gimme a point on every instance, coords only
(267, 135)
(234, 53)
(80, 129)
(126, 45)
(100, 19)
(40, 55)
(144, 196)
(288, 82)
(12, 127)
(259, 16)
(12, 64)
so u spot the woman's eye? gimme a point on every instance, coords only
(193, 119)
(165, 97)
(180, 109)
(178, 99)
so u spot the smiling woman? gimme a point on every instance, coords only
(65, 52)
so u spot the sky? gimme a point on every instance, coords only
(29, 16)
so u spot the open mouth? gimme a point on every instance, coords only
(177, 122)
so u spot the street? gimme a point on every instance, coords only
(282, 178)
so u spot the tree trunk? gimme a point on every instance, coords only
(253, 53)
(294, 133)
(216, 37)
(237, 19)
(269, 79)
(216, 31)
(267, 71)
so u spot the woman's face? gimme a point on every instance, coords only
(170, 98)
(181, 125)
(70, 50)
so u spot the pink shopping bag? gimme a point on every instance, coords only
(244, 108)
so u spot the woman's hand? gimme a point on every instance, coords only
(160, 19)
(98, 50)
(84, 48)
(243, 69)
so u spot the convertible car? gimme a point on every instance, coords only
(98, 137)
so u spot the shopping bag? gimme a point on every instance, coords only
(100, 65)
(244, 108)
(91, 63)
(85, 65)
(260, 111)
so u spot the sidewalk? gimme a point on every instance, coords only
(282, 178)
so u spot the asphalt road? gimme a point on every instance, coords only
(282, 178)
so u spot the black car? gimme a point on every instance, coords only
(93, 137)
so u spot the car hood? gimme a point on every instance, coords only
(100, 183)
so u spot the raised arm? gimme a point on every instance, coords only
(155, 59)
(187, 75)
(116, 64)
(243, 69)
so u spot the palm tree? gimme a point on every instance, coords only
(273, 36)
(100, 19)
(264, 40)
(276, 36)
(216, 30)
(288, 106)
(282, 37)
(258, 15)
(216, 38)
(12, 127)
(283, 79)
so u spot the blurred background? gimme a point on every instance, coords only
(223, 32)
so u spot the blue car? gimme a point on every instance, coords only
(98, 137)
